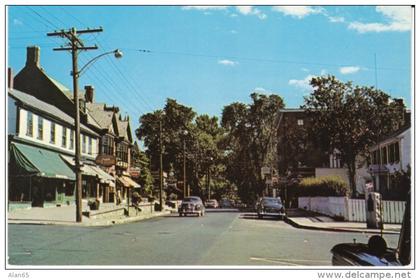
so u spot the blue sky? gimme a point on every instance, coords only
(209, 57)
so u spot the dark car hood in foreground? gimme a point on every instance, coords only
(358, 254)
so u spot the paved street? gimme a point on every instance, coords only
(219, 238)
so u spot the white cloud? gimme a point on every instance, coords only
(227, 62)
(204, 8)
(260, 89)
(249, 10)
(398, 17)
(233, 15)
(324, 72)
(304, 69)
(304, 84)
(298, 11)
(349, 70)
(234, 32)
(335, 19)
(245, 10)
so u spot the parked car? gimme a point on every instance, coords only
(376, 252)
(191, 205)
(211, 203)
(226, 203)
(270, 206)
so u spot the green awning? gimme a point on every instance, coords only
(27, 160)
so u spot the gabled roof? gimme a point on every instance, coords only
(46, 108)
(103, 117)
(124, 128)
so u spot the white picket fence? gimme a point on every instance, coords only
(353, 210)
(392, 211)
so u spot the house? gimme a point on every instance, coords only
(390, 159)
(41, 143)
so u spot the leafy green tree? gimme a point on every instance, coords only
(351, 118)
(139, 159)
(248, 141)
(181, 124)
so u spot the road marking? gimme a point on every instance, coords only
(289, 261)
(272, 261)
(21, 253)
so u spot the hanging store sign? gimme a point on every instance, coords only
(105, 160)
(134, 172)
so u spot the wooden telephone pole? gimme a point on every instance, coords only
(76, 45)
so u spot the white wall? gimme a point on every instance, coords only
(352, 209)
(405, 146)
(58, 134)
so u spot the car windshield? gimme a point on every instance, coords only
(271, 200)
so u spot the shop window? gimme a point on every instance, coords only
(300, 122)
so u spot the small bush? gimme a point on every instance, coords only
(323, 186)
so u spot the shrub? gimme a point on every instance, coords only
(323, 186)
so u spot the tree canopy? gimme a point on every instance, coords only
(351, 118)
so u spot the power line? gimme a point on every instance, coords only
(258, 59)
(51, 24)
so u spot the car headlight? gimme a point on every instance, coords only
(197, 207)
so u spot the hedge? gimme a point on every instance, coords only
(323, 186)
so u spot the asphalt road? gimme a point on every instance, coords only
(218, 238)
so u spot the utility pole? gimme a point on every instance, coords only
(185, 171)
(76, 45)
(160, 165)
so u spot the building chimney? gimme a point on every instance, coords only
(9, 78)
(89, 94)
(33, 56)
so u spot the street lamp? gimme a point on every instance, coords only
(76, 74)
(117, 54)
(185, 133)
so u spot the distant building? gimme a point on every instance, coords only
(300, 156)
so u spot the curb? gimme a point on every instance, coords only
(90, 224)
(297, 225)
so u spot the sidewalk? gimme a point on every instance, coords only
(303, 219)
(66, 215)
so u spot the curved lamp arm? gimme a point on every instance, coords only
(117, 53)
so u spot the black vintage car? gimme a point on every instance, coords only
(191, 205)
(376, 252)
(270, 206)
